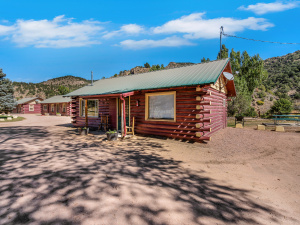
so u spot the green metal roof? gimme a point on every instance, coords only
(25, 100)
(57, 99)
(202, 73)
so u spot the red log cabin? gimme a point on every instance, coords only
(57, 105)
(29, 106)
(188, 103)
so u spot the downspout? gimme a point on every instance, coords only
(124, 116)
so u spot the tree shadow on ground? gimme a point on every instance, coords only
(50, 176)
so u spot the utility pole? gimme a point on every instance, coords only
(221, 33)
(92, 78)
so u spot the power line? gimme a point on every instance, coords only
(250, 39)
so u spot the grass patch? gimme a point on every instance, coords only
(251, 123)
(13, 119)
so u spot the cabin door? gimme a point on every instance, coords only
(120, 112)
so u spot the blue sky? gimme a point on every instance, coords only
(40, 40)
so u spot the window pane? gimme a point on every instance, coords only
(161, 107)
(92, 108)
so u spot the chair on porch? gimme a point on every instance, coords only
(130, 129)
(104, 123)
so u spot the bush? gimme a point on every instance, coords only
(282, 106)
(251, 112)
(271, 98)
(261, 94)
(260, 102)
(262, 87)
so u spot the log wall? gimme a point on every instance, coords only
(60, 105)
(37, 109)
(199, 113)
(79, 121)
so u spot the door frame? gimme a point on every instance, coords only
(120, 105)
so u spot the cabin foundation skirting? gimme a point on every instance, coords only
(200, 112)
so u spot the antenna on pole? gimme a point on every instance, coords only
(92, 78)
(221, 33)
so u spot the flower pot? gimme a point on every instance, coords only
(46, 114)
(58, 114)
(112, 136)
(83, 131)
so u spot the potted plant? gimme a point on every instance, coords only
(58, 114)
(112, 135)
(84, 131)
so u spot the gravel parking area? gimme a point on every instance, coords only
(50, 175)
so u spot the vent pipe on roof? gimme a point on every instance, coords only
(92, 78)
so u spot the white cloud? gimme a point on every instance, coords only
(60, 32)
(263, 8)
(128, 29)
(5, 30)
(146, 43)
(194, 26)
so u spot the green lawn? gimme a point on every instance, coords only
(251, 123)
(13, 119)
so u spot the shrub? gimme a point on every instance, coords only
(261, 94)
(282, 106)
(271, 98)
(251, 112)
(260, 102)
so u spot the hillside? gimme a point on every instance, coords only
(49, 88)
(284, 75)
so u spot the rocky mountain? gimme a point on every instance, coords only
(284, 75)
(49, 88)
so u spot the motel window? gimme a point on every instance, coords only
(161, 106)
(92, 108)
(31, 108)
(52, 107)
(45, 107)
(64, 107)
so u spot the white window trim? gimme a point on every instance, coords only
(31, 107)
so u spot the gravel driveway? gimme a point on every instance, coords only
(50, 175)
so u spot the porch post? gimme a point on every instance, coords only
(123, 115)
(86, 114)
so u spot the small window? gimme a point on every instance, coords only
(31, 108)
(52, 107)
(161, 106)
(45, 107)
(92, 108)
(64, 107)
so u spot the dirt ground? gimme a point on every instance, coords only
(50, 175)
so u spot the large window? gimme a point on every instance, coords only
(45, 107)
(31, 108)
(92, 108)
(52, 107)
(64, 107)
(161, 106)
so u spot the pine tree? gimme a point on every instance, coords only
(224, 53)
(7, 102)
